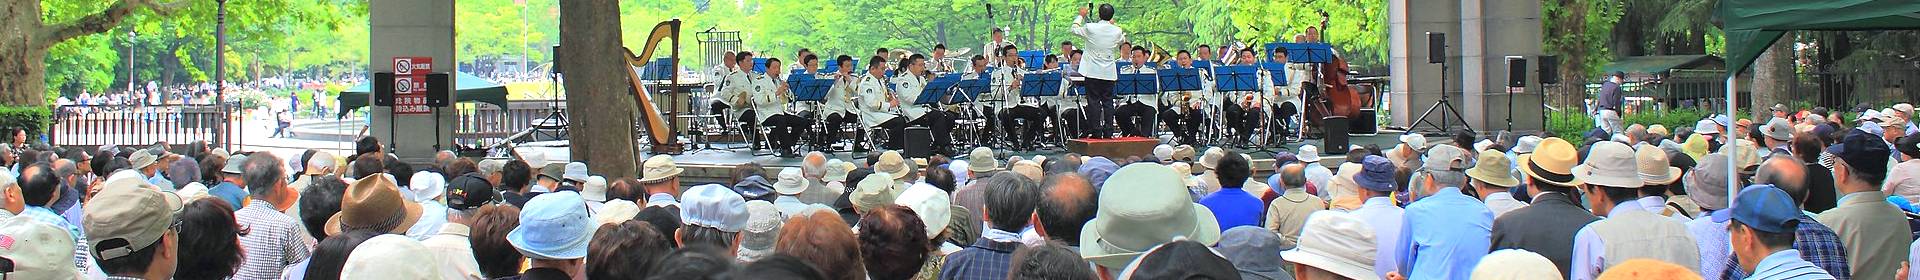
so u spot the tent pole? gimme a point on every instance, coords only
(1733, 185)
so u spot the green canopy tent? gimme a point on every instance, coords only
(1752, 25)
(468, 88)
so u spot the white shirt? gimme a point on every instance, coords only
(767, 97)
(874, 108)
(839, 97)
(739, 84)
(907, 89)
(1102, 38)
(1502, 202)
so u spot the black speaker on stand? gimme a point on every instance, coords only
(1516, 78)
(1437, 54)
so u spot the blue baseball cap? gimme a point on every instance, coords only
(553, 226)
(1376, 174)
(1762, 207)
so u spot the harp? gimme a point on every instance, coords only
(661, 135)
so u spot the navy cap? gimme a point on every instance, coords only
(1862, 151)
(1762, 207)
(1376, 174)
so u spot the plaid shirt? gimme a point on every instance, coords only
(986, 259)
(272, 240)
(1817, 244)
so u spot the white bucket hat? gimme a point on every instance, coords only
(933, 206)
(390, 256)
(791, 182)
(1337, 242)
(1611, 164)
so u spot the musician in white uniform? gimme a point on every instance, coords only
(1281, 96)
(839, 106)
(1242, 110)
(907, 87)
(993, 46)
(939, 65)
(1004, 93)
(736, 96)
(1022, 117)
(1073, 119)
(878, 108)
(773, 102)
(1135, 117)
(1051, 104)
(1181, 111)
(717, 76)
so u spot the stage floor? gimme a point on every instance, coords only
(716, 165)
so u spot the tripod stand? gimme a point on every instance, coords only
(1446, 101)
(556, 118)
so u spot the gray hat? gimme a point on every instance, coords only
(1255, 251)
(1707, 183)
(235, 164)
(763, 227)
(1778, 129)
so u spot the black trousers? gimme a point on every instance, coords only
(1183, 125)
(1073, 122)
(836, 120)
(784, 130)
(938, 122)
(1023, 122)
(1134, 119)
(1283, 118)
(1100, 107)
(1241, 120)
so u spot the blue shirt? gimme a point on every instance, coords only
(1385, 218)
(1454, 231)
(229, 192)
(1712, 240)
(1234, 207)
(1785, 265)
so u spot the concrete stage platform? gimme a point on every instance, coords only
(715, 166)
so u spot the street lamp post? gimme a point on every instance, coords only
(220, 75)
(130, 36)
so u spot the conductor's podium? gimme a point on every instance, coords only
(1113, 147)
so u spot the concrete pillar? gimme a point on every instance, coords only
(1417, 84)
(418, 28)
(1493, 30)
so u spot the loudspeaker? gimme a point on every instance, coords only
(919, 142)
(1550, 69)
(1336, 129)
(556, 60)
(1516, 71)
(383, 89)
(438, 86)
(1436, 47)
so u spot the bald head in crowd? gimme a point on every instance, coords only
(1787, 173)
(1067, 202)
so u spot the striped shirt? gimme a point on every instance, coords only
(1786, 264)
(272, 241)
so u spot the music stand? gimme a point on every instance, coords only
(812, 90)
(1039, 85)
(1202, 64)
(1131, 85)
(1117, 65)
(1236, 78)
(1034, 59)
(969, 90)
(936, 90)
(760, 65)
(833, 67)
(660, 69)
(1308, 52)
(1180, 79)
(1277, 71)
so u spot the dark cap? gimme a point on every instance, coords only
(468, 192)
(1862, 151)
(1909, 145)
(554, 171)
(1182, 259)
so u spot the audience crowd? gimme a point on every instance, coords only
(1800, 195)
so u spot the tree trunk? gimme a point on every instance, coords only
(1772, 72)
(24, 41)
(599, 109)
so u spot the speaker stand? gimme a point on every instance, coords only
(1446, 101)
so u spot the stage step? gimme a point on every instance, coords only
(1114, 147)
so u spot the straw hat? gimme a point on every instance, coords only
(1655, 169)
(374, 203)
(1493, 168)
(659, 168)
(1552, 162)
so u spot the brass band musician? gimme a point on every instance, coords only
(1134, 117)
